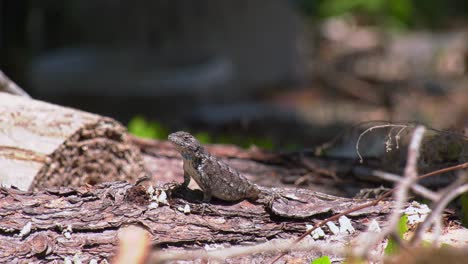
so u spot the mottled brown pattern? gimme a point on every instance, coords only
(214, 177)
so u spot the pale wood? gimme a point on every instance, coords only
(43, 145)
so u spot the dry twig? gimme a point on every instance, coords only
(411, 171)
(401, 193)
(270, 246)
(418, 189)
(448, 194)
(397, 136)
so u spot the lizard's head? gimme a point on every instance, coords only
(185, 143)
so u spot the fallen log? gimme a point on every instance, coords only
(85, 223)
(53, 224)
(44, 145)
(61, 146)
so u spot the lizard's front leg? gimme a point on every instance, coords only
(186, 182)
(206, 195)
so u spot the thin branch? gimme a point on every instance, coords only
(332, 248)
(444, 170)
(334, 140)
(401, 193)
(385, 195)
(453, 190)
(418, 189)
(369, 130)
(410, 172)
(437, 230)
(397, 137)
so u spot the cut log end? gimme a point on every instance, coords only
(44, 145)
(96, 153)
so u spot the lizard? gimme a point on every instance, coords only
(218, 179)
(213, 176)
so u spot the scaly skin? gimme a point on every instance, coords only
(214, 177)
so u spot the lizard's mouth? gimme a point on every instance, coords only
(180, 147)
(177, 146)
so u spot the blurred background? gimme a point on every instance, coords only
(275, 73)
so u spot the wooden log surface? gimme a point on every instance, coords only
(33, 226)
(44, 145)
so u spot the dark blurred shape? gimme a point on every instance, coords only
(84, 52)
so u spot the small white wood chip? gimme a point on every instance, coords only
(162, 198)
(213, 247)
(416, 212)
(153, 205)
(186, 209)
(67, 231)
(25, 230)
(67, 235)
(374, 226)
(150, 190)
(346, 225)
(317, 233)
(76, 259)
(333, 228)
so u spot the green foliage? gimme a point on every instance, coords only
(403, 226)
(387, 13)
(340, 7)
(392, 246)
(245, 142)
(262, 142)
(321, 260)
(204, 137)
(400, 14)
(464, 209)
(141, 127)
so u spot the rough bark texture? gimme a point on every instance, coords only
(56, 146)
(44, 145)
(92, 217)
(84, 222)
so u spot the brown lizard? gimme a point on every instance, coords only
(217, 179)
(214, 177)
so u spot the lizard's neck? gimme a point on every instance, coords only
(192, 158)
(191, 163)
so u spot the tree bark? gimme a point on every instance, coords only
(52, 224)
(44, 145)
